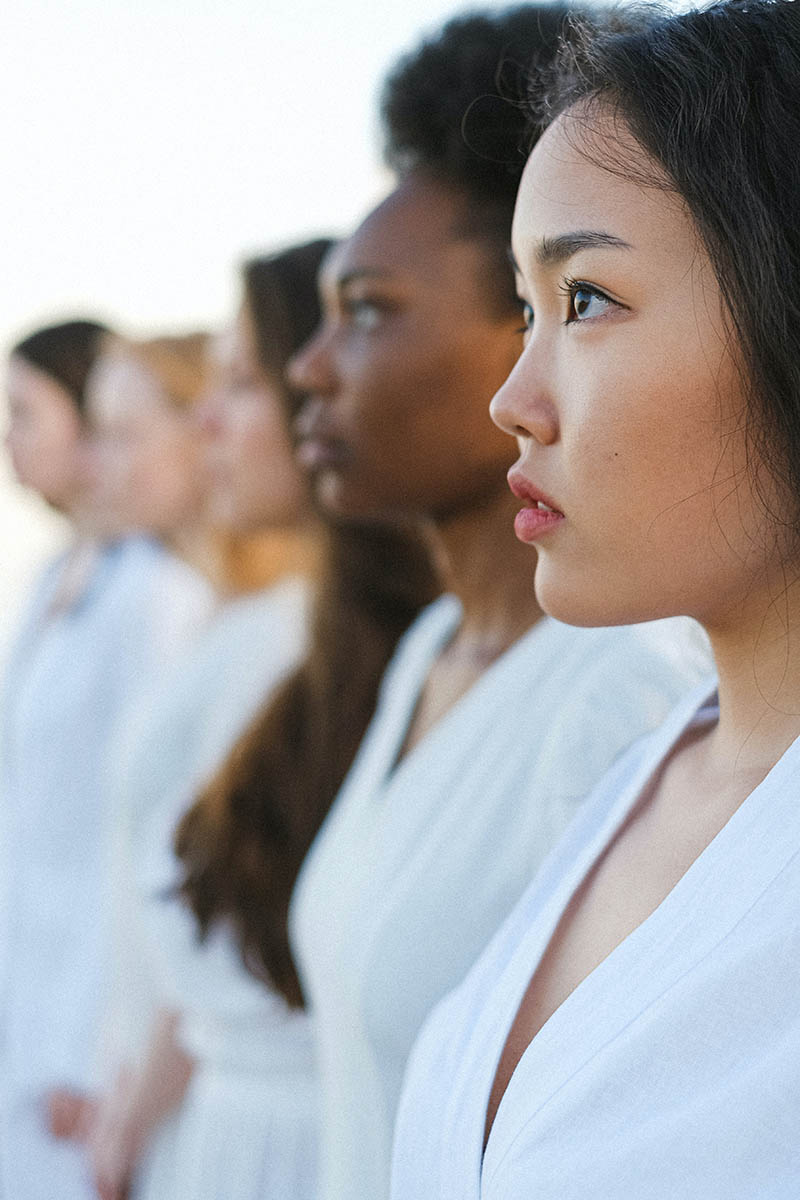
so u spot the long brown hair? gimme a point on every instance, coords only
(242, 843)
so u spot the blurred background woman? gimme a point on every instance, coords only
(103, 619)
(227, 1048)
(241, 513)
(240, 847)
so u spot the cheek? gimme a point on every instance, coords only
(179, 453)
(260, 439)
(52, 456)
(665, 520)
(373, 397)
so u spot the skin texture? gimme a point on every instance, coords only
(627, 402)
(147, 454)
(253, 478)
(402, 367)
(45, 435)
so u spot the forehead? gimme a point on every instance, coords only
(587, 173)
(411, 232)
(222, 345)
(28, 385)
(122, 385)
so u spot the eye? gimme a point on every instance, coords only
(364, 313)
(527, 317)
(585, 301)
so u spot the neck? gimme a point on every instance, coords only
(256, 560)
(490, 572)
(200, 549)
(757, 652)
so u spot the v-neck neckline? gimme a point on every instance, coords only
(641, 941)
(397, 763)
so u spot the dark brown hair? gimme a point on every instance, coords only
(280, 292)
(243, 841)
(66, 352)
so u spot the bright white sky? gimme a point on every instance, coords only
(147, 145)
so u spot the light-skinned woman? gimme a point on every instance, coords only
(633, 1029)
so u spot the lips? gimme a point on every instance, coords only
(319, 446)
(319, 453)
(539, 514)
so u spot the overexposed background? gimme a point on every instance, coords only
(148, 146)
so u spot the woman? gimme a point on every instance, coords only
(633, 1028)
(147, 448)
(493, 721)
(229, 1052)
(104, 618)
(250, 523)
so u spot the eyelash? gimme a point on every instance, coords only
(569, 288)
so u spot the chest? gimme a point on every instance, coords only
(449, 679)
(668, 829)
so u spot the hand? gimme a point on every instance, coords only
(69, 1113)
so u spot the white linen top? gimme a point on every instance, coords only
(69, 677)
(419, 861)
(672, 1072)
(228, 1017)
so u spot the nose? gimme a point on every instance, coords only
(310, 368)
(524, 406)
(208, 413)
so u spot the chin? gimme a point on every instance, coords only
(577, 599)
(338, 498)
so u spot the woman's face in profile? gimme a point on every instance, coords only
(627, 401)
(45, 437)
(146, 460)
(401, 371)
(254, 481)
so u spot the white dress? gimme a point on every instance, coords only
(672, 1072)
(70, 675)
(247, 1128)
(418, 863)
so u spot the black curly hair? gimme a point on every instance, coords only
(454, 109)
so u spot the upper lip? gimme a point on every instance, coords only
(313, 425)
(524, 490)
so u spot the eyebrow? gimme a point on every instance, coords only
(554, 250)
(358, 273)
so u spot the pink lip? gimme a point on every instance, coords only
(531, 521)
(315, 454)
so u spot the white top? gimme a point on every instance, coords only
(69, 677)
(671, 1072)
(418, 863)
(178, 740)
